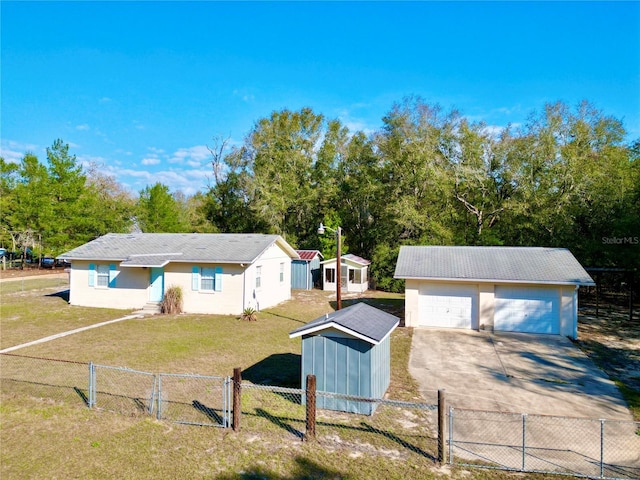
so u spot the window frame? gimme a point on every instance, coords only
(258, 277)
(330, 275)
(102, 275)
(207, 275)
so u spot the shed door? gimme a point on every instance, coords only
(449, 306)
(527, 309)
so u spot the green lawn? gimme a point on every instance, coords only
(45, 438)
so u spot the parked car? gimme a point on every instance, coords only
(47, 262)
(62, 263)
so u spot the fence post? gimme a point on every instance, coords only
(442, 457)
(524, 440)
(237, 392)
(601, 448)
(159, 409)
(92, 372)
(450, 435)
(311, 407)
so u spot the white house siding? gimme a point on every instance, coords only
(130, 291)
(132, 285)
(271, 291)
(227, 301)
(351, 286)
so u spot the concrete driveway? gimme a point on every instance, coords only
(524, 373)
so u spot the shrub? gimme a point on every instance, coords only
(172, 301)
(250, 314)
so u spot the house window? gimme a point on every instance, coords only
(102, 275)
(330, 275)
(258, 276)
(352, 275)
(207, 279)
(357, 276)
(282, 272)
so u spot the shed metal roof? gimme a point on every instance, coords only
(359, 320)
(502, 264)
(308, 255)
(350, 257)
(157, 249)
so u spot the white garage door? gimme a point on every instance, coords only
(449, 306)
(527, 309)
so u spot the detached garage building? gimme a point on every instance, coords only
(513, 289)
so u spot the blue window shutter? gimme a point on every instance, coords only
(92, 275)
(195, 278)
(218, 280)
(113, 273)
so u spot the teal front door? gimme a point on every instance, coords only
(156, 292)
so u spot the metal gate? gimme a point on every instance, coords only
(121, 390)
(194, 399)
(181, 398)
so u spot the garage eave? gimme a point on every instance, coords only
(497, 281)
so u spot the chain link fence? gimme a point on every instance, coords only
(58, 380)
(194, 399)
(397, 430)
(122, 390)
(544, 444)
(273, 409)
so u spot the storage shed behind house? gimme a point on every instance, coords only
(349, 353)
(305, 272)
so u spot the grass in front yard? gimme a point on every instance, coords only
(34, 308)
(42, 438)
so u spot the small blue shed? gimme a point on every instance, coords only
(305, 272)
(349, 353)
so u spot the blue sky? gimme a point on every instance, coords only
(141, 88)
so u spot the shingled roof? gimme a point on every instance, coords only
(502, 264)
(359, 320)
(158, 249)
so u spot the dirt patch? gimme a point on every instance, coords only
(612, 340)
(29, 272)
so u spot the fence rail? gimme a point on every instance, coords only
(416, 432)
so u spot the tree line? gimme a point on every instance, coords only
(429, 176)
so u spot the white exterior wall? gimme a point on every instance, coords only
(271, 291)
(486, 305)
(226, 302)
(568, 296)
(351, 286)
(569, 311)
(411, 303)
(238, 285)
(131, 292)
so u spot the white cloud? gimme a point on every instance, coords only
(150, 161)
(83, 127)
(493, 130)
(12, 151)
(191, 156)
(104, 100)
